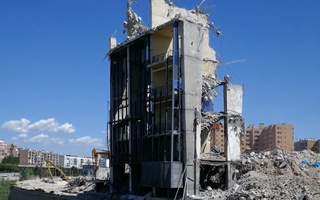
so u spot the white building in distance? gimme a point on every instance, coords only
(68, 161)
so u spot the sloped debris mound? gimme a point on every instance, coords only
(275, 174)
(77, 182)
(79, 185)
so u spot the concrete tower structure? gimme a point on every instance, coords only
(161, 93)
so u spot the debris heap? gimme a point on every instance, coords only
(273, 174)
(77, 188)
(79, 185)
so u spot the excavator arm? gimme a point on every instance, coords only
(95, 154)
(63, 176)
(49, 170)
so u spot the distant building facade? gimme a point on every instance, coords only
(307, 143)
(316, 147)
(37, 157)
(277, 135)
(68, 161)
(8, 150)
(217, 138)
(258, 138)
(252, 137)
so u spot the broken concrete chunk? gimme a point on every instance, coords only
(282, 165)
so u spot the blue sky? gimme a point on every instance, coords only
(54, 79)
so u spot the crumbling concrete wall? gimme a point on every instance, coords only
(163, 11)
(235, 123)
(134, 24)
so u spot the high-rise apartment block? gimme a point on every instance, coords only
(252, 137)
(260, 138)
(8, 150)
(37, 157)
(277, 135)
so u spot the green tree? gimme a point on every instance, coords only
(26, 173)
(5, 186)
(10, 160)
(9, 168)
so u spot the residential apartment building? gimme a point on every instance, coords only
(252, 137)
(217, 138)
(68, 161)
(37, 157)
(8, 150)
(277, 135)
(307, 143)
(259, 138)
(316, 147)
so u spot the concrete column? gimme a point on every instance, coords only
(232, 147)
(112, 42)
(192, 62)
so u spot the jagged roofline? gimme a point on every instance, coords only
(163, 25)
(149, 31)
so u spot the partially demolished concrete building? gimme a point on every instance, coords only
(163, 82)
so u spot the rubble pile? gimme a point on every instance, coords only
(78, 188)
(273, 175)
(79, 185)
(52, 186)
(265, 175)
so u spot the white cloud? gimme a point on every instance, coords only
(87, 140)
(45, 139)
(23, 135)
(38, 139)
(50, 125)
(66, 128)
(16, 125)
(57, 141)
